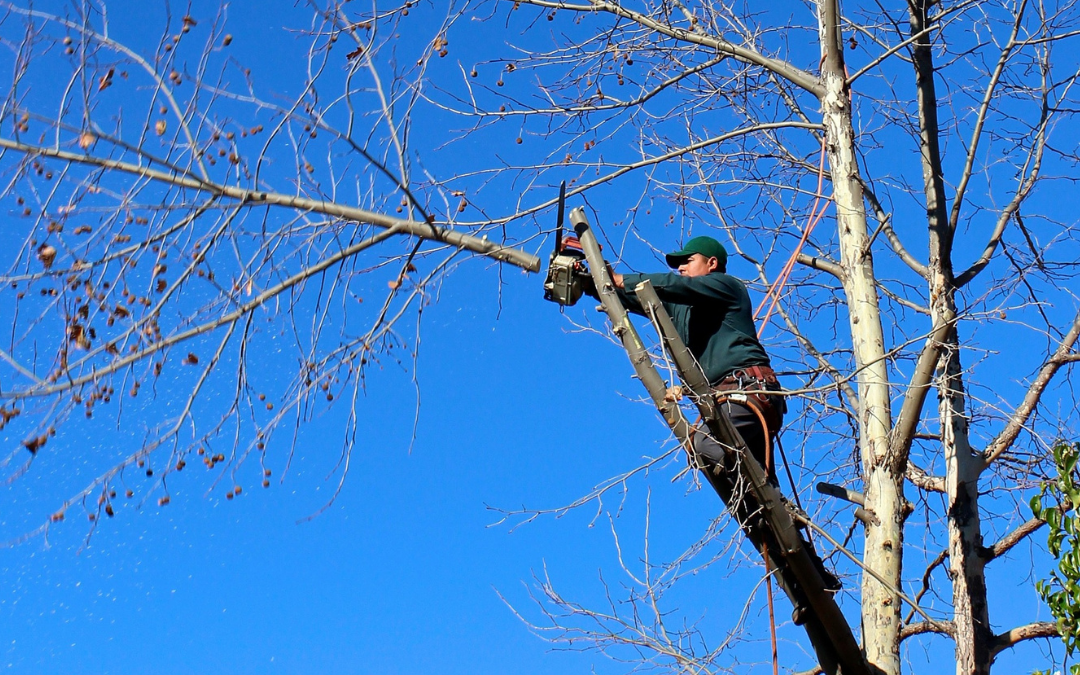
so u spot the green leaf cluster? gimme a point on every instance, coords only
(1057, 504)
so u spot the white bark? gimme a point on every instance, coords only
(881, 618)
(883, 476)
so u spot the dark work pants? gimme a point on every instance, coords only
(748, 424)
(728, 485)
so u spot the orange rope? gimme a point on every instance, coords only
(778, 284)
(815, 217)
(772, 615)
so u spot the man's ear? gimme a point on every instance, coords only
(714, 264)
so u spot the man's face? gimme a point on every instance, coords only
(698, 265)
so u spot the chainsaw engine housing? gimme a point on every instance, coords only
(565, 271)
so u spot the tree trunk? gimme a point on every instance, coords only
(883, 478)
(966, 563)
(962, 467)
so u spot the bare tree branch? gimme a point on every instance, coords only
(1006, 543)
(1023, 412)
(1031, 631)
(784, 69)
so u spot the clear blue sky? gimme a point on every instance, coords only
(409, 571)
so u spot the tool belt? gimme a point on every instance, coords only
(754, 381)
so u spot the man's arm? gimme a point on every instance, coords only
(680, 290)
(628, 298)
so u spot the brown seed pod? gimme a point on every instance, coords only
(46, 254)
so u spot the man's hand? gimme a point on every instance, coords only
(588, 286)
(616, 278)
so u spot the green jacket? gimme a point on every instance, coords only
(712, 314)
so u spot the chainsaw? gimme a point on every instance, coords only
(566, 268)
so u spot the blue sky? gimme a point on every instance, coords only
(412, 568)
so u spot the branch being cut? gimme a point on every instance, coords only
(455, 238)
(818, 263)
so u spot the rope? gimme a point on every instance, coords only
(778, 284)
(764, 545)
(812, 221)
(768, 563)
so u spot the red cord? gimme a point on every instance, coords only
(815, 217)
(765, 550)
(778, 284)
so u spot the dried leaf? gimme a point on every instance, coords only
(394, 285)
(354, 53)
(34, 444)
(105, 81)
(77, 334)
(86, 139)
(160, 126)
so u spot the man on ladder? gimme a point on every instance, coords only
(712, 314)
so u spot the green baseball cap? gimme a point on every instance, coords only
(706, 246)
